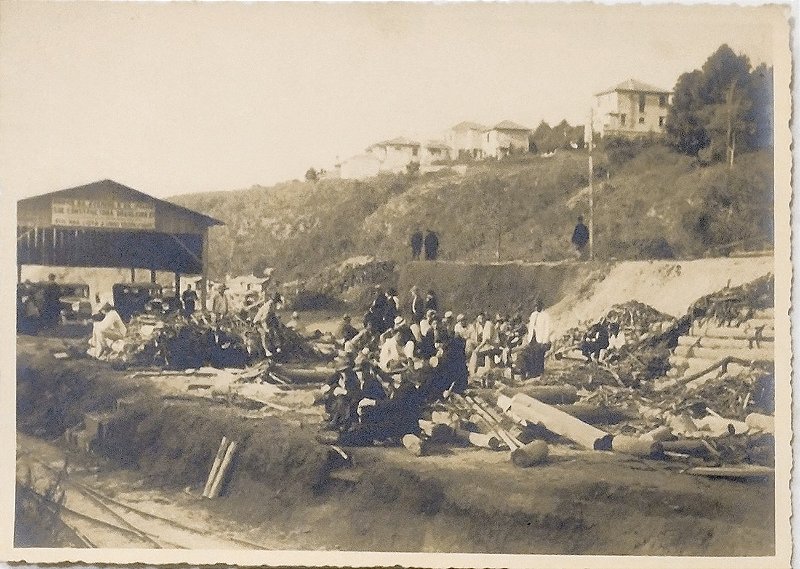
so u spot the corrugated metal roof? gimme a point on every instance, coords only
(636, 86)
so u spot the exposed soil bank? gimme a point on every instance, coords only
(459, 500)
(578, 291)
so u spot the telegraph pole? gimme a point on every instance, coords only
(590, 131)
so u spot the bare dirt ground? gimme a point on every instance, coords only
(284, 493)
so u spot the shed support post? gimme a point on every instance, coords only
(177, 285)
(133, 274)
(19, 273)
(152, 275)
(204, 280)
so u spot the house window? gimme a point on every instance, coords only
(641, 120)
(414, 151)
(641, 102)
(623, 119)
(662, 100)
(661, 121)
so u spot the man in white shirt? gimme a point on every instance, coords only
(106, 331)
(537, 342)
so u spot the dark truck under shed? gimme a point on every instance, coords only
(107, 224)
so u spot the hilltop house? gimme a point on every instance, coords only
(395, 154)
(466, 140)
(505, 138)
(630, 109)
(359, 167)
(434, 151)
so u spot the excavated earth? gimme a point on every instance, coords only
(287, 491)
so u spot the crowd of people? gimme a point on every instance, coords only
(405, 358)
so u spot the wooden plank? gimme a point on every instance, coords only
(560, 422)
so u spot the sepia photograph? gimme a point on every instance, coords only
(396, 284)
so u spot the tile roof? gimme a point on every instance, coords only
(634, 85)
(469, 125)
(509, 125)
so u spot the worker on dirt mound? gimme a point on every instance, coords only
(269, 326)
(346, 330)
(580, 238)
(417, 305)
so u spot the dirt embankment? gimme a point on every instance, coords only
(578, 292)
(459, 500)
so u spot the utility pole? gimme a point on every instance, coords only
(590, 131)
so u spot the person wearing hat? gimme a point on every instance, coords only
(219, 303)
(417, 305)
(431, 302)
(268, 323)
(346, 330)
(460, 329)
(339, 394)
(107, 328)
(369, 389)
(427, 322)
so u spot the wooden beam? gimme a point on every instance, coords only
(560, 422)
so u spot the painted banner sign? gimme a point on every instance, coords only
(112, 214)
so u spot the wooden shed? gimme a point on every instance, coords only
(107, 224)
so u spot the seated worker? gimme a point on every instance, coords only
(595, 341)
(616, 341)
(368, 389)
(339, 395)
(389, 419)
(107, 328)
(397, 346)
(346, 330)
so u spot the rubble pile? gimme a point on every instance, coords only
(733, 306)
(351, 280)
(176, 342)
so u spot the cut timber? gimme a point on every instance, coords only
(437, 432)
(508, 439)
(765, 423)
(636, 446)
(216, 487)
(597, 415)
(529, 455)
(496, 417)
(479, 439)
(552, 394)
(741, 471)
(560, 422)
(691, 447)
(765, 352)
(659, 434)
(223, 446)
(478, 419)
(414, 444)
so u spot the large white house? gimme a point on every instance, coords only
(630, 109)
(466, 139)
(505, 138)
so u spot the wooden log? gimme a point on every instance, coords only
(691, 447)
(437, 432)
(529, 455)
(659, 434)
(765, 423)
(636, 446)
(414, 444)
(551, 394)
(512, 444)
(482, 440)
(496, 418)
(216, 487)
(478, 419)
(596, 415)
(560, 422)
(223, 446)
(740, 471)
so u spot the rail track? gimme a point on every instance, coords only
(98, 520)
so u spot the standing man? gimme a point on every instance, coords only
(537, 340)
(580, 238)
(189, 298)
(417, 305)
(51, 302)
(416, 244)
(219, 304)
(431, 242)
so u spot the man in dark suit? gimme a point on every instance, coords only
(431, 242)
(416, 245)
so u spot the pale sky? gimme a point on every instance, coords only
(173, 98)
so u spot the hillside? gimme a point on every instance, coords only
(656, 204)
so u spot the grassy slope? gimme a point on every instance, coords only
(301, 227)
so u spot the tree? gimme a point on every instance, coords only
(721, 109)
(311, 175)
